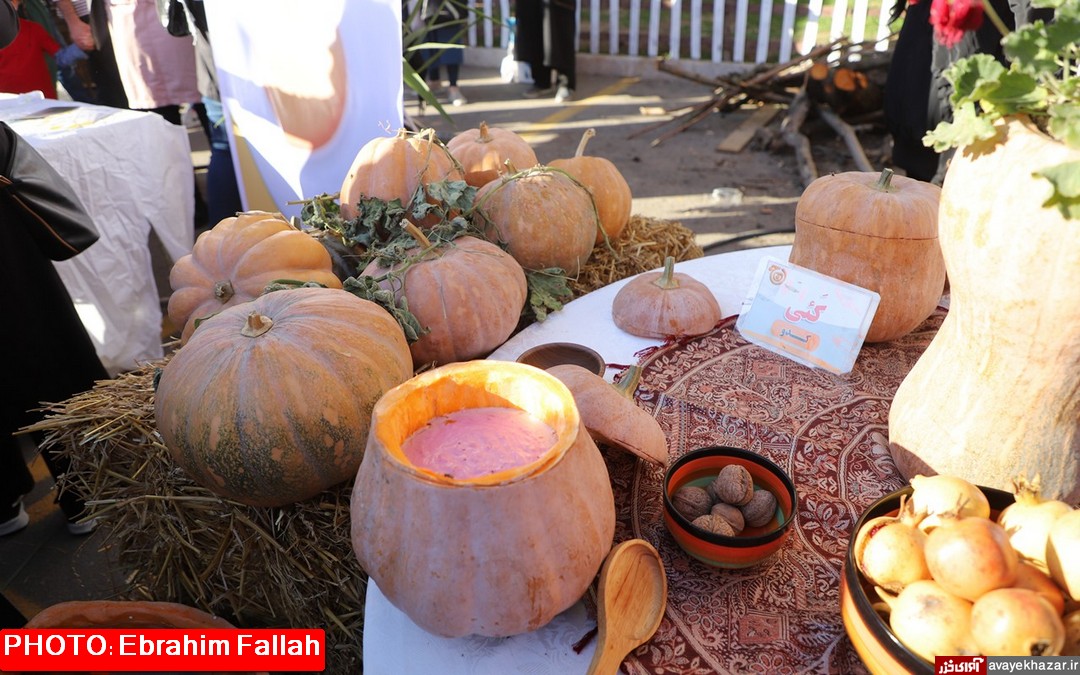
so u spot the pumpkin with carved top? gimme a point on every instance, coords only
(234, 262)
(269, 402)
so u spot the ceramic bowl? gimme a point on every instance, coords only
(880, 650)
(752, 545)
(559, 353)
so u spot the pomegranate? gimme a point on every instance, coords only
(971, 556)
(930, 621)
(1016, 622)
(1028, 520)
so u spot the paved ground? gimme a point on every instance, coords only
(721, 197)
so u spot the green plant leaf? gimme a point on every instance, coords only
(367, 288)
(1015, 92)
(1065, 124)
(973, 77)
(966, 128)
(1065, 178)
(548, 290)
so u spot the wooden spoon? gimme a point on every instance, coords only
(631, 598)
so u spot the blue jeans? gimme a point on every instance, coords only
(222, 192)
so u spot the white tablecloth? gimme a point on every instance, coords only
(394, 645)
(133, 172)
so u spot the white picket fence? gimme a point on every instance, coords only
(768, 31)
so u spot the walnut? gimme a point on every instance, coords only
(731, 514)
(714, 524)
(691, 501)
(759, 510)
(734, 485)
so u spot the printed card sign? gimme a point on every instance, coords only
(811, 318)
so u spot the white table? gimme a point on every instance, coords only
(133, 172)
(394, 645)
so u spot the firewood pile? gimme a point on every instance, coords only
(839, 85)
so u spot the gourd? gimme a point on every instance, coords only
(665, 304)
(878, 232)
(484, 151)
(270, 402)
(544, 217)
(235, 260)
(610, 413)
(607, 185)
(124, 614)
(495, 555)
(393, 167)
(467, 295)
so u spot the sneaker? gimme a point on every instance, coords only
(537, 92)
(79, 528)
(456, 97)
(564, 94)
(17, 522)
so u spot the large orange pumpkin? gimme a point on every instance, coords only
(466, 294)
(878, 232)
(235, 260)
(607, 185)
(484, 151)
(544, 217)
(269, 403)
(495, 555)
(393, 167)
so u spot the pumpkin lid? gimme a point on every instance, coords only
(870, 204)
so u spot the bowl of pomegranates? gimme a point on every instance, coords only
(944, 569)
(728, 507)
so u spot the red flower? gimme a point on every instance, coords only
(952, 18)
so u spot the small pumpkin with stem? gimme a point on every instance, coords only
(610, 414)
(607, 185)
(235, 260)
(467, 295)
(543, 216)
(877, 231)
(665, 304)
(483, 153)
(393, 167)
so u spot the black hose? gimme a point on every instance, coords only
(744, 237)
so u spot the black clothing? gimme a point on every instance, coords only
(546, 39)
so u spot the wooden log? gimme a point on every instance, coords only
(851, 140)
(789, 129)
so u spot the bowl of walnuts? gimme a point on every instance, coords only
(728, 507)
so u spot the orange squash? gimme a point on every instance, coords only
(484, 151)
(269, 403)
(466, 294)
(496, 555)
(393, 167)
(235, 260)
(878, 232)
(607, 185)
(665, 304)
(544, 217)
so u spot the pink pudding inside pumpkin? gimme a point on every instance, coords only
(476, 442)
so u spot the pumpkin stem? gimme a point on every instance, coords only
(627, 384)
(417, 234)
(589, 133)
(485, 137)
(256, 325)
(223, 290)
(667, 278)
(884, 181)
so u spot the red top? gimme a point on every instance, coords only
(22, 63)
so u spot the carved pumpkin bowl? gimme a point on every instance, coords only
(753, 544)
(878, 647)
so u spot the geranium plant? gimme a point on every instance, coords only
(1042, 81)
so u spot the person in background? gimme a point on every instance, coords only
(23, 67)
(157, 69)
(447, 19)
(546, 39)
(223, 193)
(49, 357)
(86, 27)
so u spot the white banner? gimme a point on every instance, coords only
(304, 85)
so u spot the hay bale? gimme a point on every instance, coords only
(642, 246)
(178, 542)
